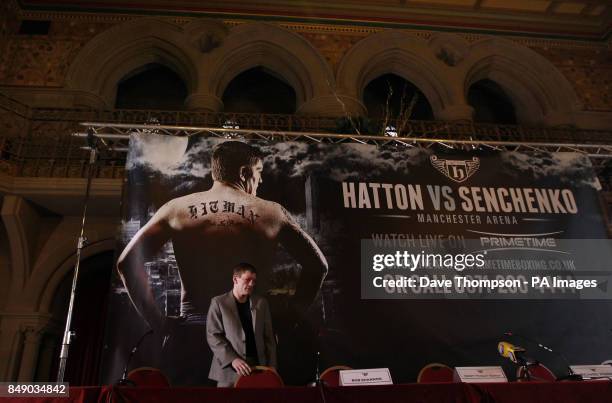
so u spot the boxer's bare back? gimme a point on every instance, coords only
(211, 231)
(214, 231)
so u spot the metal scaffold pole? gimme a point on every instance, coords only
(69, 334)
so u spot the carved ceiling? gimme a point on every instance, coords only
(589, 19)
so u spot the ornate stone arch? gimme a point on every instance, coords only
(58, 256)
(539, 92)
(285, 54)
(401, 54)
(117, 52)
(44, 292)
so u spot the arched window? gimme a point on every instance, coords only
(491, 104)
(391, 97)
(89, 318)
(152, 86)
(258, 90)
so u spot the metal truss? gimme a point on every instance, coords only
(116, 137)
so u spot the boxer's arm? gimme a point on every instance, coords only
(306, 252)
(269, 339)
(141, 249)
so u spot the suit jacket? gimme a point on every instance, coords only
(226, 337)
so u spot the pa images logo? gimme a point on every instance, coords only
(456, 170)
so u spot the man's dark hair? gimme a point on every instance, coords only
(229, 156)
(244, 267)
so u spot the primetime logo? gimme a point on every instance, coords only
(456, 170)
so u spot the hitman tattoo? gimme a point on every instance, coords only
(222, 206)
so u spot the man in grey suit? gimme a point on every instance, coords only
(239, 330)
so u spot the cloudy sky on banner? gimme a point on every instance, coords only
(568, 167)
(169, 156)
(177, 156)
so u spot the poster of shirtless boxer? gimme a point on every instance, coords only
(194, 207)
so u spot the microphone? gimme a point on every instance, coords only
(512, 352)
(124, 381)
(542, 346)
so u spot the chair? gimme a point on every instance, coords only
(147, 376)
(537, 373)
(261, 377)
(434, 373)
(331, 376)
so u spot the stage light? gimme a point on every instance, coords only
(230, 124)
(152, 121)
(390, 131)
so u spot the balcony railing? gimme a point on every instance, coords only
(37, 142)
(56, 121)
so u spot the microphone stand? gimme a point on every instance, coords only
(571, 376)
(319, 383)
(92, 142)
(525, 363)
(318, 370)
(124, 381)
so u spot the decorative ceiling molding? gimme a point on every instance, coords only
(318, 28)
(572, 19)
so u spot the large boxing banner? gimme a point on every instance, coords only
(432, 256)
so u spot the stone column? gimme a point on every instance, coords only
(29, 357)
(559, 118)
(455, 112)
(204, 101)
(334, 105)
(10, 348)
(48, 351)
(20, 338)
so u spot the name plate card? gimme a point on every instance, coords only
(374, 376)
(479, 375)
(593, 371)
